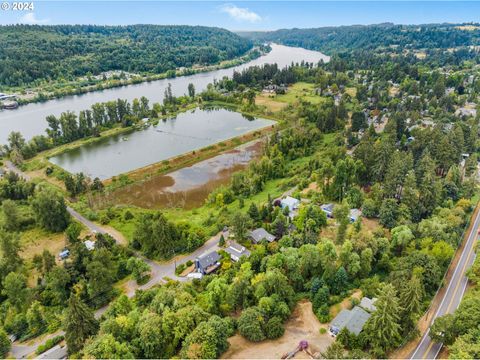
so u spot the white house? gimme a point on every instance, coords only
(290, 202)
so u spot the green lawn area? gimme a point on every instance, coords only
(300, 90)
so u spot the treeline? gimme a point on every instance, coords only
(69, 126)
(460, 331)
(33, 54)
(372, 37)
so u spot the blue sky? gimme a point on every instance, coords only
(245, 15)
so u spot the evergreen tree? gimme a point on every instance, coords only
(383, 327)
(79, 324)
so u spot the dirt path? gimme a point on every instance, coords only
(303, 325)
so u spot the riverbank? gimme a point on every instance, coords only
(83, 86)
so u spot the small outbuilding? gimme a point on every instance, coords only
(260, 234)
(90, 245)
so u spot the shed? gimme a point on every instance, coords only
(207, 263)
(90, 245)
(260, 234)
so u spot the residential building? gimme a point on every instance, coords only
(353, 320)
(290, 202)
(260, 234)
(207, 263)
(236, 251)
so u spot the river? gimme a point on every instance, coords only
(30, 119)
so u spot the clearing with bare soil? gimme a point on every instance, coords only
(303, 325)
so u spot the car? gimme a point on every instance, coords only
(64, 254)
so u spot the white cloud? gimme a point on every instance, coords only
(29, 18)
(240, 14)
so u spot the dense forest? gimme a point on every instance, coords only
(369, 37)
(29, 54)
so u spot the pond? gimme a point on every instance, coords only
(187, 187)
(189, 131)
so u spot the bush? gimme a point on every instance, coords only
(323, 314)
(4, 343)
(128, 215)
(274, 328)
(369, 209)
(50, 343)
(323, 331)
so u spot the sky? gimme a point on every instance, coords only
(242, 15)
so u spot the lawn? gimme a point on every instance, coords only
(300, 90)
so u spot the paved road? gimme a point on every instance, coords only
(159, 271)
(427, 349)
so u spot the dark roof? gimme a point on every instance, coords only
(206, 260)
(259, 234)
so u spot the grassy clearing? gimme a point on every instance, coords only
(300, 90)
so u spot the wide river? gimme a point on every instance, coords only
(189, 131)
(30, 119)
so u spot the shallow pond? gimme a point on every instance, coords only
(189, 131)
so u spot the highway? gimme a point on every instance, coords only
(428, 349)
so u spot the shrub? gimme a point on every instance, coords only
(50, 343)
(4, 343)
(274, 328)
(323, 331)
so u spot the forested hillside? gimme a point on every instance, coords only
(30, 53)
(336, 39)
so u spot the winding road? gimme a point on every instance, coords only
(427, 348)
(159, 273)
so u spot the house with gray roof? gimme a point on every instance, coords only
(207, 263)
(236, 251)
(368, 304)
(353, 320)
(260, 234)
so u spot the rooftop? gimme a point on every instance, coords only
(259, 234)
(208, 259)
(353, 320)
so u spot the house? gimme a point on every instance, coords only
(236, 251)
(90, 245)
(353, 320)
(260, 234)
(290, 202)
(354, 214)
(328, 209)
(64, 254)
(207, 263)
(368, 304)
